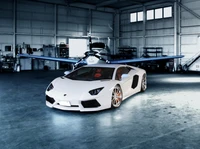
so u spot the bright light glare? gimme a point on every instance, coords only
(140, 16)
(77, 47)
(133, 17)
(183, 80)
(150, 14)
(182, 99)
(65, 103)
(92, 60)
(167, 12)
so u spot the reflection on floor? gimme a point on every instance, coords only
(166, 116)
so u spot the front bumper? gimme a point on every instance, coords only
(84, 105)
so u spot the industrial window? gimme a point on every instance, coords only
(150, 14)
(158, 13)
(167, 12)
(140, 16)
(136, 16)
(133, 17)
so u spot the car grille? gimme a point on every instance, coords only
(49, 99)
(90, 103)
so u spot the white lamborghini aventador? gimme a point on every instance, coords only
(95, 87)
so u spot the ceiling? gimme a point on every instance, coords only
(117, 4)
(112, 4)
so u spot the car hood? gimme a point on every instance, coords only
(76, 87)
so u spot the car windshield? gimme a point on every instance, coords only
(91, 73)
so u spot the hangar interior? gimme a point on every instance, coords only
(165, 116)
(151, 27)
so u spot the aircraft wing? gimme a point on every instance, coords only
(123, 61)
(144, 59)
(67, 60)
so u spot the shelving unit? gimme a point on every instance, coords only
(153, 51)
(63, 52)
(7, 64)
(49, 51)
(128, 52)
(125, 53)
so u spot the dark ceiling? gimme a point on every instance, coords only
(117, 4)
(113, 4)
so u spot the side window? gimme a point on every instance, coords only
(120, 71)
(126, 70)
(118, 74)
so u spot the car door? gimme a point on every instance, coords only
(126, 82)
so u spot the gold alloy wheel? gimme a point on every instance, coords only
(116, 97)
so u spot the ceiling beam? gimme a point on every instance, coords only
(189, 10)
(150, 3)
(109, 2)
(137, 2)
(106, 3)
(74, 4)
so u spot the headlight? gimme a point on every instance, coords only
(50, 87)
(95, 91)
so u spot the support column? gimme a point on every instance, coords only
(144, 26)
(14, 28)
(55, 36)
(55, 24)
(116, 31)
(90, 23)
(177, 46)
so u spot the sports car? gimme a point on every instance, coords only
(95, 87)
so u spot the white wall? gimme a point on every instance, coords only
(6, 25)
(41, 24)
(161, 32)
(190, 29)
(158, 32)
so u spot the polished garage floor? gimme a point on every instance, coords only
(166, 116)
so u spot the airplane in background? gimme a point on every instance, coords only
(98, 54)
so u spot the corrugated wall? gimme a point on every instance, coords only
(131, 34)
(41, 24)
(161, 32)
(102, 26)
(34, 23)
(158, 32)
(190, 29)
(6, 24)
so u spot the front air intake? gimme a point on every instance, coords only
(49, 99)
(90, 104)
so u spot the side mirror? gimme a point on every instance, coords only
(124, 76)
(66, 72)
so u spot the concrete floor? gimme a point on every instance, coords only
(166, 116)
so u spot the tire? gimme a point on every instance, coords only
(144, 83)
(117, 97)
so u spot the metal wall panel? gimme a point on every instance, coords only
(194, 4)
(38, 24)
(6, 17)
(158, 33)
(34, 18)
(71, 21)
(102, 24)
(161, 32)
(190, 29)
(6, 25)
(35, 41)
(5, 40)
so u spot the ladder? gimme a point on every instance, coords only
(191, 61)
